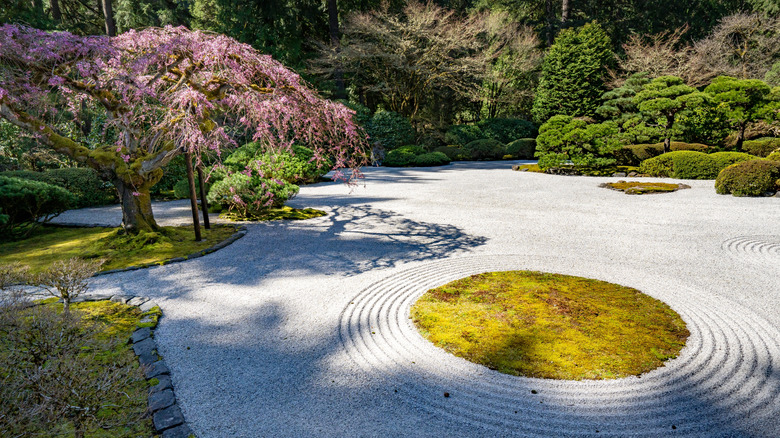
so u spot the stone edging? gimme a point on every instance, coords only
(240, 232)
(167, 417)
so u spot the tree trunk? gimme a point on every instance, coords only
(204, 203)
(193, 196)
(667, 144)
(565, 7)
(333, 25)
(550, 24)
(137, 213)
(741, 138)
(108, 12)
(56, 13)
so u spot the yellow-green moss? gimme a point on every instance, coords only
(550, 326)
(528, 168)
(641, 188)
(274, 214)
(49, 244)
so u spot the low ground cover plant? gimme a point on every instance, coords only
(749, 178)
(550, 326)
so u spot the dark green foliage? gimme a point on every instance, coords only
(84, 183)
(573, 73)
(506, 130)
(462, 135)
(772, 77)
(390, 130)
(691, 164)
(749, 178)
(589, 147)
(362, 113)
(295, 167)
(761, 147)
(173, 172)
(431, 159)
(29, 203)
(486, 149)
(403, 156)
(633, 155)
(663, 99)
(454, 153)
(247, 197)
(618, 104)
(522, 149)
(741, 102)
(181, 190)
(774, 156)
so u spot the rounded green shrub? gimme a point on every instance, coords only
(453, 152)
(28, 203)
(761, 147)
(461, 135)
(633, 155)
(296, 166)
(247, 196)
(774, 156)
(403, 156)
(507, 130)
(486, 149)
(682, 165)
(522, 149)
(390, 130)
(239, 159)
(84, 183)
(431, 159)
(726, 159)
(749, 178)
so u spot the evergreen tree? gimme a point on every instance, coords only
(573, 73)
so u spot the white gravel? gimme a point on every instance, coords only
(300, 328)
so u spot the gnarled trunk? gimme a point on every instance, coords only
(136, 207)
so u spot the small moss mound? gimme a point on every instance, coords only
(276, 214)
(550, 326)
(527, 168)
(643, 188)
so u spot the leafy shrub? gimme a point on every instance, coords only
(761, 147)
(296, 167)
(29, 203)
(691, 164)
(403, 156)
(390, 130)
(182, 189)
(84, 183)
(634, 154)
(507, 130)
(247, 196)
(239, 159)
(522, 149)
(749, 178)
(431, 159)
(453, 152)
(173, 172)
(726, 159)
(774, 156)
(486, 149)
(589, 147)
(461, 135)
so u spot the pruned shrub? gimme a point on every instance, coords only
(453, 152)
(431, 159)
(486, 149)
(84, 183)
(390, 130)
(462, 135)
(566, 145)
(749, 178)
(522, 149)
(726, 159)
(774, 156)
(691, 164)
(761, 147)
(403, 156)
(248, 196)
(633, 155)
(29, 203)
(297, 166)
(507, 130)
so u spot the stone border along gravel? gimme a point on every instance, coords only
(706, 388)
(167, 417)
(240, 232)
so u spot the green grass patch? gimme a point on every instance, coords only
(275, 214)
(49, 244)
(550, 326)
(107, 325)
(642, 188)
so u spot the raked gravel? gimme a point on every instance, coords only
(301, 328)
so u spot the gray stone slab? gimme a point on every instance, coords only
(156, 369)
(122, 298)
(181, 431)
(140, 334)
(146, 346)
(161, 400)
(167, 418)
(147, 306)
(137, 301)
(148, 359)
(165, 383)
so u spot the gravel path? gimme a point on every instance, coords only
(301, 328)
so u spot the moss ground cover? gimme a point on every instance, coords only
(49, 244)
(95, 365)
(274, 214)
(550, 326)
(642, 188)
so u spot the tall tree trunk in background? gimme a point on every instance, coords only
(333, 24)
(565, 7)
(108, 12)
(38, 7)
(550, 23)
(56, 13)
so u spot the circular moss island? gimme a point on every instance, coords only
(550, 326)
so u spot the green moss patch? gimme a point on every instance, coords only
(550, 326)
(643, 188)
(528, 168)
(49, 244)
(275, 214)
(101, 348)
